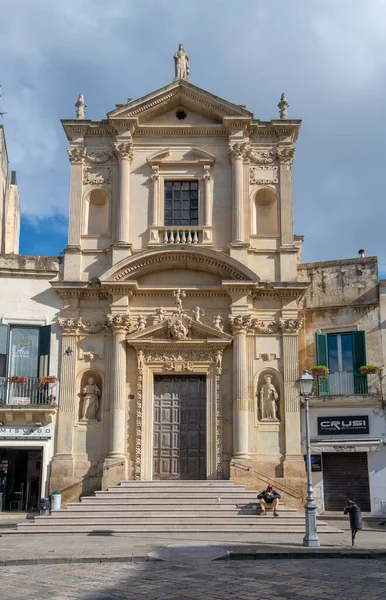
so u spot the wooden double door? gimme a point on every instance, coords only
(179, 450)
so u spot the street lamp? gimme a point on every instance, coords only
(306, 383)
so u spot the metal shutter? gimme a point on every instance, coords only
(345, 475)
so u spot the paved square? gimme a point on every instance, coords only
(306, 579)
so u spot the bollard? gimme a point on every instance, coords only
(56, 500)
(355, 516)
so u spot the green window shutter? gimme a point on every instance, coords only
(4, 342)
(322, 359)
(359, 360)
(44, 350)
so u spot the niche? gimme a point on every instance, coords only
(266, 218)
(90, 396)
(268, 396)
(97, 212)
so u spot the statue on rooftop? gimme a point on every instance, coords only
(80, 107)
(181, 63)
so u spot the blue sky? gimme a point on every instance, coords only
(329, 58)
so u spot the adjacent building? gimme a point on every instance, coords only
(29, 354)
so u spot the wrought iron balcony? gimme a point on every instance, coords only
(347, 384)
(28, 391)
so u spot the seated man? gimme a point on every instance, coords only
(269, 499)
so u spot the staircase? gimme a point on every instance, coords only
(165, 507)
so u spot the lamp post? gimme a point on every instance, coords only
(306, 382)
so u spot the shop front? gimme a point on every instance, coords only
(25, 454)
(348, 458)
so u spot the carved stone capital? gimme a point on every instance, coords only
(290, 326)
(124, 150)
(240, 323)
(118, 323)
(286, 155)
(71, 326)
(76, 154)
(240, 150)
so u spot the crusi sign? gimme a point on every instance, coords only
(343, 425)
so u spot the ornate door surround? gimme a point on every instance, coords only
(178, 358)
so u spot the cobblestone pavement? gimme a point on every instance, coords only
(342, 579)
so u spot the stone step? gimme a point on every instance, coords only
(157, 494)
(166, 509)
(275, 527)
(163, 518)
(183, 491)
(178, 483)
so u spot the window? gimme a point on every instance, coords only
(24, 351)
(181, 203)
(344, 354)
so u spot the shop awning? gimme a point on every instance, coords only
(373, 445)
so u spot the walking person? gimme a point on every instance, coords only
(269, 500)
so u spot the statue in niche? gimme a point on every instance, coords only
(268, 400)
(90, 406)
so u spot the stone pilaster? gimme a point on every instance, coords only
(62, 470)
(72, 259)
(285, 156)
(238, 152)
(239, 325)
(207, 177)
(293, 460)
(115, 466)
(124, 151)
(155, 205)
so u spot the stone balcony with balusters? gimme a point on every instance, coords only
(182, 235)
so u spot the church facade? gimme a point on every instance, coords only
(185, 306)
(180, 316)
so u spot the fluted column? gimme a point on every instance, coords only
(285, 155)
(208, 197)
(124, 151)
(290, 340)
(76, 155)
(239, 326)
(118, 325)
(238, 152)
(155, 205)
(68, 392)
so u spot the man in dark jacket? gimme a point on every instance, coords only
(269, 499)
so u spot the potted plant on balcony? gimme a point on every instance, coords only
(47, 379)
(17, 379)
(369, 370)
(320, 371)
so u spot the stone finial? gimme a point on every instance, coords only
(181, 64)
(283, 107)
(80, 107)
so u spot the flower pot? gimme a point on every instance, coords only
(369, 370)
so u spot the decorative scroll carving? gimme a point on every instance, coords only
(241, 150)
(118, 323)
(76, 154)
(286, 155)
(138, 423)
(124, 150)
(263, 157)
(178, 366)
(290, 325)
(263, 175)
(207, 176)
(99, 157)
(263, 327)
(97, 175)
(155, 174)
(150, 356)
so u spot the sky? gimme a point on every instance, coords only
(328, 57)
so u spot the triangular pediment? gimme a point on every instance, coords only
(160, 107)
(195, 332)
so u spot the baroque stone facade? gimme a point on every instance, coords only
(149, 293)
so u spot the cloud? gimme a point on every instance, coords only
(329, 57)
